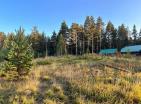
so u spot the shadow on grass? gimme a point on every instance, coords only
(69, 91)
(6, 94)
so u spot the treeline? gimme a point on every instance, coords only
(91, 37)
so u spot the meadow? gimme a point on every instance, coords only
(87, 79)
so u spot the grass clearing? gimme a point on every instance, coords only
(76, 80)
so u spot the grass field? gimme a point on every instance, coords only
(88, 79)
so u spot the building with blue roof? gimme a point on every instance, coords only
(108, 51)
(136, 49)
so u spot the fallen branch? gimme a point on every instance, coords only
(111, 66)
(117, 68)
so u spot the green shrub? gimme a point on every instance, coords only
(19, 55)
(43, 62)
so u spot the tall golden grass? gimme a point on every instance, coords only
(76, 80)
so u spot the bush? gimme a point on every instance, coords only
(43, 62)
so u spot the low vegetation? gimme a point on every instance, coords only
(75, 80)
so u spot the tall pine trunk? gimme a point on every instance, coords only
(76, 46)
(100, 42)
(83, 45)
(92, 44)
(88, 46)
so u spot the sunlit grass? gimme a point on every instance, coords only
(76, 80)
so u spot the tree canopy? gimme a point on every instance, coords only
(77, 39)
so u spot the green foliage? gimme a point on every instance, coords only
(90, 32)
(64, 29)
(43, 62)
(53, 43)
(19, 53)
(39, 42)
(134, 34)
(61, 46)
(79, 39)
(75, 32)
(122, 36)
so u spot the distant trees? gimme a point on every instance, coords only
(139, 37)
(64, 33)
(122, 36)
(61, 45)
(39, 42)
(75, 32)
(35, 38)
(91, 37)
(99, 30)
(90, 32)
(134, 34)
(114, 38)
(53, 43)
(109, 33)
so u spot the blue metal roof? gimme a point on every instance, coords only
(108, 51)
(135, 48)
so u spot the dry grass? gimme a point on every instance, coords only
(76, 80)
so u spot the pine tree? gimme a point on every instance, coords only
(109, 31)
(53, 42)
(114, 38)
(134, 33)
(122, 36)
(104, 40)
(140, 34)
(99, 28)
(60, 48)
(89, 28)
(19, 53)
(75, 32)
(36, 38)
(64, 31)
(43, 45)
(139, 37)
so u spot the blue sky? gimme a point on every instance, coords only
(47, 15)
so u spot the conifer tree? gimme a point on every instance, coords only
(122, 36)
(139, 37)
(75, 32)
(89, 28)
(53, 42)
(19, 53)
(134, 33)
(114, 38)
(64, 31)
(60, 48)
(99, 28)
(36, 39)
(109, 31)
